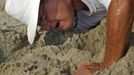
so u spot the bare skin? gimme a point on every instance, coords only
(120, 20)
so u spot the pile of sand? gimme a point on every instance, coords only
(52, 53)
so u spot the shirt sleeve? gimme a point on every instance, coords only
(106, 3)
(94, 6)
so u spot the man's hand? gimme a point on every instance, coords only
(88, 69)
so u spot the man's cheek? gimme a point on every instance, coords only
(50, 15)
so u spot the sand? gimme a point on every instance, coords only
(55, 54)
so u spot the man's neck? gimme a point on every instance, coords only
(80, 5)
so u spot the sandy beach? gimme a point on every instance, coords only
(55, 54)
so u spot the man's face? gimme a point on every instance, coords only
(56, 14)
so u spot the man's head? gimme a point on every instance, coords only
(56, 14)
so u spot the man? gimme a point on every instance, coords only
(61, 14)
(118, 27)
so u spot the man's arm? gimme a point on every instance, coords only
(120, 21)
